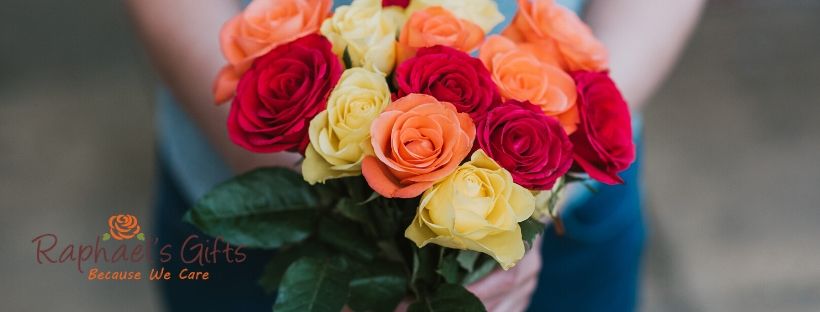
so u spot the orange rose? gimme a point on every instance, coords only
(437, 26)
(524, 76)
(123, 226)
(261, 27)
(417, 141)
(558, 32)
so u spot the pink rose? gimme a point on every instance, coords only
(532, 146)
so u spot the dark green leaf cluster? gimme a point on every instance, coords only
(340, 244)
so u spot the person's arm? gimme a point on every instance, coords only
(644, 39)
(181, 37)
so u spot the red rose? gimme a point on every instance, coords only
(603, 142)
(401, 3)
(451, 76)
(532, 146)
(281, 92)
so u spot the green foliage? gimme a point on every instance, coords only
(348, 63)
(448, 267)
(275, 269)
(466, 259)
(530, 229)
(485, 267)
(379, 288)
(393, 215)
(339, 243)
(448, 297)
(353, 211)
(265, 208)
(424, 266)
(314, 285)
(370, 198)
(346, 237)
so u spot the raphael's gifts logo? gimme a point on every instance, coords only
(123, 227)
(125, 243)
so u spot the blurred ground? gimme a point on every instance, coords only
(731, 145)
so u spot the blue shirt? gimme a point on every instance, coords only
(194, 163)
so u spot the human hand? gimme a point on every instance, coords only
(510, 290)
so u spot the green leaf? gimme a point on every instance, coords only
(390, 250)
(141, 236)
(448, 268)
(448, 297)
(391, 82)
(387, 212)
(349, 209)
(370, 198)
(355, 187)
(265, 208)
(314, 285)
(276, 267)
(466, 259)
(106, 236)
(346, 237)
(530, 229)
(379, 289)
(485, 268)
(424, 264)
(346, 58)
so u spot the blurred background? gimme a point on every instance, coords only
(732, 151)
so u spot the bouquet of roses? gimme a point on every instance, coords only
(425, 168)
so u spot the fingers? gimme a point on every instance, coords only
(511, 290)
(493, 286)
(526, 282)
(491, 305)
(529, 266)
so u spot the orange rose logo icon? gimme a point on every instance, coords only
(123, 227)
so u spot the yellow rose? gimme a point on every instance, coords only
(396, 15)
(477, 207)
(483, 13)
(367, 32)
(340, 135)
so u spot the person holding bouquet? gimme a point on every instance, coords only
(589, 261)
